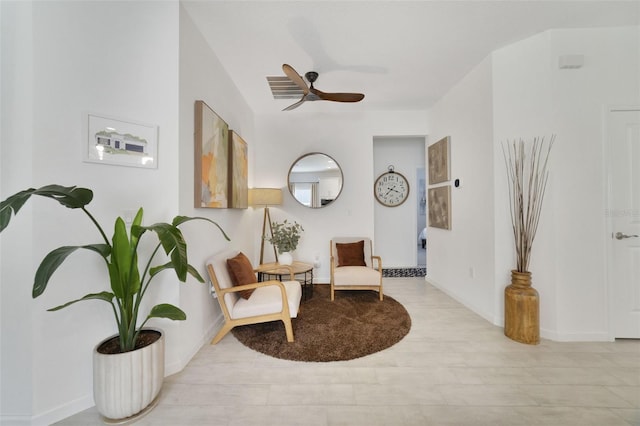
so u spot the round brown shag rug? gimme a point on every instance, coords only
(355, 324)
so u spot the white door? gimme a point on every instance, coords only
(624, 140)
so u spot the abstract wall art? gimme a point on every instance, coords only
(440, 207)
(439, 161)
(211, 158)
(238, 172)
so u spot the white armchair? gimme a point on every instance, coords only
(353, 266)
(268, 301)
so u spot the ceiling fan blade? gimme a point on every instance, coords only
(338, 97)
(295, 77)
(296, 105)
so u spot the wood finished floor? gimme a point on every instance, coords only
(453, 368)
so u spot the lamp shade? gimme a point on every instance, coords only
(265, 196)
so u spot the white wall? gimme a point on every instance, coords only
(78, 69)
(611, 76)
(202, 77)
(518, 91)
(570, 248)
(348, 138)
(460, 260)
(523, 107)
(569, 256)
(396, 239)
(57, 65)
(75, 69)
(16, 247)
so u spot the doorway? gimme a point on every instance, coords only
(623, 140)
(397, 229)
(421, 230)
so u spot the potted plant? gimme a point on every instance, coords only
(527, 170)
(122, 363)
(285, 237)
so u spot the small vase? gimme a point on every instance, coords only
(522, 309)
(285, 258)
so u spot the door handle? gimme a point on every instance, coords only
(621, 236)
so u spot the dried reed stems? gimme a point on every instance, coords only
(527, 169)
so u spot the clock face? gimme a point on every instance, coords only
(391, 189)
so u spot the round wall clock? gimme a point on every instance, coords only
(391, 188)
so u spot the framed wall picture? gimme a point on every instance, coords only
(238, 172)
(211, 158)
(439, 161)
(120, 142)
(440, 207)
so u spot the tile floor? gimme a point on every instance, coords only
(453, 368)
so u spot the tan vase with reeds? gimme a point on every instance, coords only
(527, 169)
(522, 309)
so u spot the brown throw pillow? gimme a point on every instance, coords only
(241, 273)
(351, 254)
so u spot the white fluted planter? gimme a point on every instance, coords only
(124, 384)
(285, 258)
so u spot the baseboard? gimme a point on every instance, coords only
(180, 365)
(463, 301)
(15, 420)
(57, 414)
(213, 330)
(544, 333)
(575, 337)
(321, 280)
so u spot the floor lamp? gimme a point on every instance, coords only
(266, 197)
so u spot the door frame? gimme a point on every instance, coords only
(609, 241)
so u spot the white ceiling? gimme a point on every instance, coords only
(403, 55)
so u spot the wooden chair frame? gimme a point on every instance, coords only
(230, 323)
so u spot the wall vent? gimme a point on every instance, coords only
(570, 61)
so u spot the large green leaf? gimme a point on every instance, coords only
(54, 259)
(125, 260)
(173, 245)
(157, 269)
(195, 274)
(117, 286)
(136, 222)
(165, 310)
(178, 220)
(68, 196)
(105, 296)
(12, 205)
(179, 257)
(170, 236)
(169, 265)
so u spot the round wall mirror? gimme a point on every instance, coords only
(315, 180)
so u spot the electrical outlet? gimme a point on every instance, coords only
(128, 216)
(213, 292)
(316, 262)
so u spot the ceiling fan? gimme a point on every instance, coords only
(310, 93)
